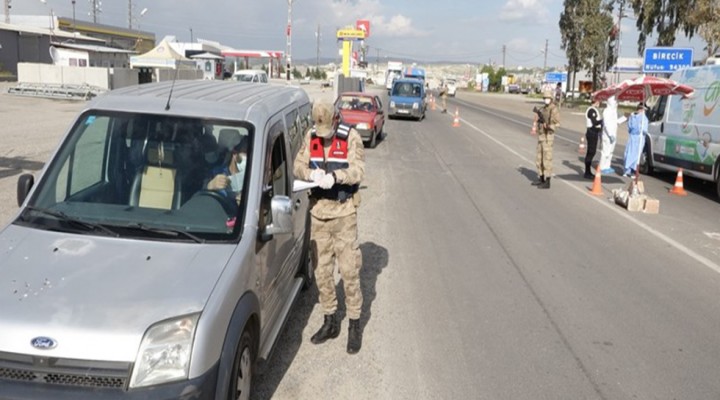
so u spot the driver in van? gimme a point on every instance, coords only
(228, 178)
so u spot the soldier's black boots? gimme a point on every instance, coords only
(354, 337)
(545, 185)
(329, 330)
(540, 181)
(588, 174)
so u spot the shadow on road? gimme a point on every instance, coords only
(375, 259)
(14, 165)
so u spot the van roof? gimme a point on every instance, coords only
(204, 99)
(249, 71)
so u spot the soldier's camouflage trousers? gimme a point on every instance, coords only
(337, 240)
(544, 154)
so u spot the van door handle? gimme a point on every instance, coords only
(662, 127)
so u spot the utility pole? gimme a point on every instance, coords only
(129, 14)
(504, 49)
(95, 10)
(191, 35)
(317, 50)
(7, 11)
(545, 61)
(73, 6)
(288, 54)
(377, 60)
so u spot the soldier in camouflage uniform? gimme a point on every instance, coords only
(546, 137)
(333, 156)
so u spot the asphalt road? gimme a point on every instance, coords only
(477, 285)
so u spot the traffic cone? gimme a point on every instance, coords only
(456, 119)
(597, 183)
(678, 189)
(581, 148)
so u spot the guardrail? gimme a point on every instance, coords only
(56, 91)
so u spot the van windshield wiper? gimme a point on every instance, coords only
(78, 222)
(166, 232)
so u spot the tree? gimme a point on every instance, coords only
(496, 79)
(665, 18)
(585, 28)
(296, 74)
(706, 16)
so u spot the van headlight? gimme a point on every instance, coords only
(416, 106)
(164, 354)
(363, 126)
(392, 104)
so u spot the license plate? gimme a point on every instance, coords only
(403, 112)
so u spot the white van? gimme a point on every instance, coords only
(251, 75)
(685, 132)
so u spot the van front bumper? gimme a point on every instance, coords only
(200, 388)
(407, 112)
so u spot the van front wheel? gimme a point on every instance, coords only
(241, 379)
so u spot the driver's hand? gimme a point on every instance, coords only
(219, 182)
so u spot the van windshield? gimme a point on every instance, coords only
(148, 176)
(407, 89)
(244, 77)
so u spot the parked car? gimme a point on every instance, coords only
(451, 85)
(407, 99)
(125, 277)
(365, 112)
(251, 75)
(514, 89)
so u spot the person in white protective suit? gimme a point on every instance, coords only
(609, 135)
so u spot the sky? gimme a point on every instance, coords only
(468, 31)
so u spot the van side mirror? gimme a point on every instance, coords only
(25, 183)
(281, 208)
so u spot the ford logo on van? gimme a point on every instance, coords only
(43, 343)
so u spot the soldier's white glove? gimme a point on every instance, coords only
(327, 181)
(316, 175)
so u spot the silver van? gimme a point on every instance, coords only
(124, 276)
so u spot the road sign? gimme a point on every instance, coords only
(553, 77)
(667, 59)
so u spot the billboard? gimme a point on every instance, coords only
(350, 33)
(363, 25)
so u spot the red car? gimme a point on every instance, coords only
(365, 112)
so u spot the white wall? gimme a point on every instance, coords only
(103, 78)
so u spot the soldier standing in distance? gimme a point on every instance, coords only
(443, 96)
(333, 156)
(549, 123)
